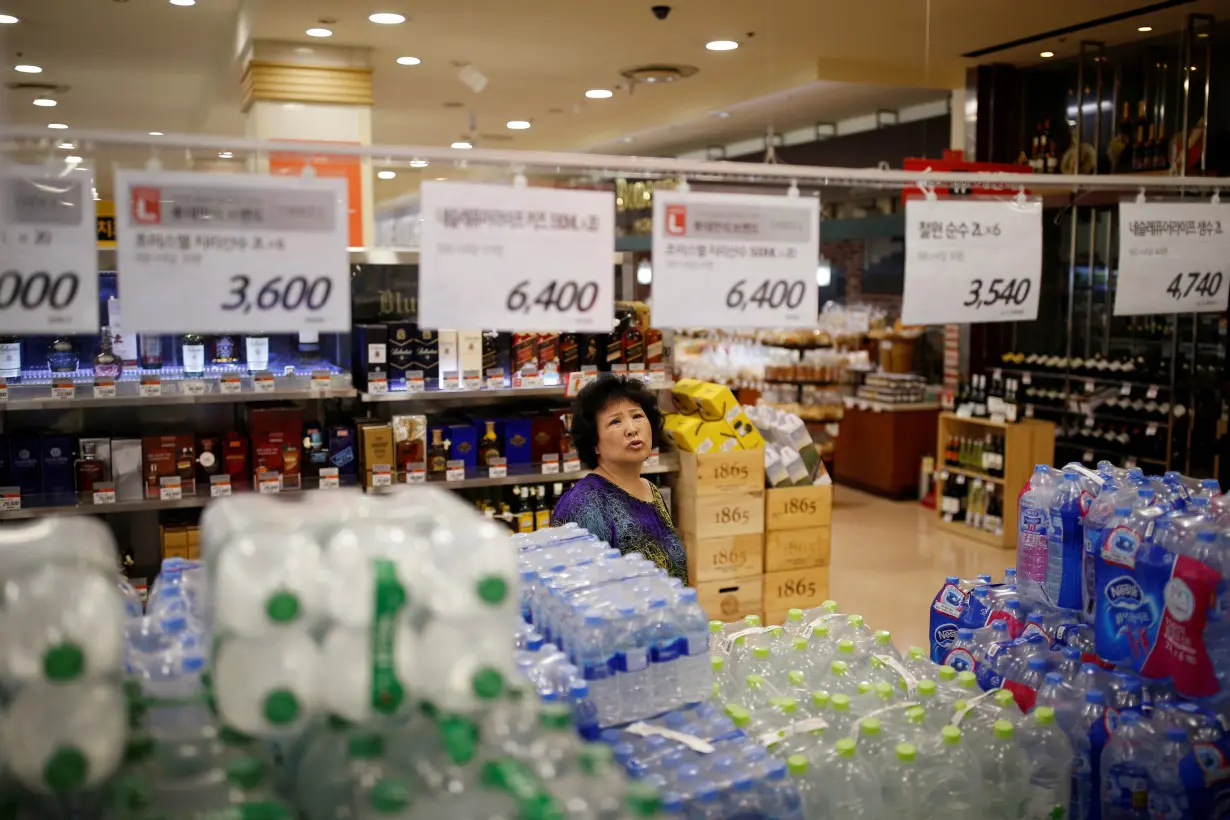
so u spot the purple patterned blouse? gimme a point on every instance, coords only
(624, 521)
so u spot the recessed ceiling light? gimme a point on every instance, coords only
(28, 69)
(183, 2)
(7, 20)
(59, 126)
(626, 140)
(721, 115)
(408, 61)
(387, 174)
(1145, 28)
(155, 133)
(319, 32)
(441, 179)
(1046, 55)
(461, 145)
(67, 146)
(225, 155)
(721, 45)
(518, 125)
(418, 163)
(73, 160)
(599, 93)
(45, 102)
(387, 18)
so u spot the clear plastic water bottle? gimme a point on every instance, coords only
(1005, 772)
(847, 787)
(964, 653)
(779, 797)
(905, 788)
(694, 675)
(631, 662)
(1065, 540)
(1033, 527)
(268, 582)
(954, 780)
(1051, 761)
(1167, 791)
(266, 687)
(1088, 736)
(1125, 769)
(595, 655)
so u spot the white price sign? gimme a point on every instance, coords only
(550, 464)
(516, 258)
(497, 468)
(219, 486)
(735, 260)
(455, 470)
(382, 475)
(329, 478)
(269, 483)
(150, 386)
(242, 253)
(170, 488)
(192, 387)
(1173, 257)
(104, 388)
(104, 493)
(972, 261)
(49, 278)
(231, 384)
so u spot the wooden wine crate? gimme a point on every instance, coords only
(792, 508)
(710, 473)
(720, 559)
(719, 515)
(790, 588)
(731, 600)
(797, 549)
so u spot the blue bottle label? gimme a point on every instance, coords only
(633, 660)
(664, 651)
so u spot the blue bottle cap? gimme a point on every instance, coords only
(1054, 678)
(1035, 617)
(1176, 734)
(999, 626)
(1210, 484)
(1095, 696)
(1069, 475)
(1072, 653)
(965, 634)
(1037, 664)
(1123, 511)
(1206, 535)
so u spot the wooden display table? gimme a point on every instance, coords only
(880, 446)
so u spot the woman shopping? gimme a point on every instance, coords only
(615, 425)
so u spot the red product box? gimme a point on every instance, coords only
(267, 446)
(544, 436)
(165, 456)
(235, 460)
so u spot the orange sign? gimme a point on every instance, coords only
(331, 167)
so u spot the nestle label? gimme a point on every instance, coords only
(1124, 592)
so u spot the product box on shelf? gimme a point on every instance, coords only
(5, 476)
(681, 393)
(524, 350)
(791, 588)
(268, 447)
(545, 430)
(732, 599)
(57, 457)
(371, 353)
(693, 435)
(208, 458)
(126, 469)
(375, 446)
(518, 432)
(713, 401)
(427, 354)
(724, 558)
(792, 508)
(409, 442)
(174, 542)
(315, 450)
(235, 460)
(495, 351)
(797, 549)
(342, 454)
(167, 456)
(470, 353)
(738, 512)
(25, 464)
(464, 438)
(447, 359)
(292, 465)
(402, 337)
(709, 473)
(102, 451)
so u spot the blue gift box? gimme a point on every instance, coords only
(517, 433)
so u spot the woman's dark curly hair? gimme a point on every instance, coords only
(598, 395)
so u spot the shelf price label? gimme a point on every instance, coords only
(4, 390)
(219, 486)
(170, 488)
(246, 253)
(193, 387)
(416, 473)
(329, 479)
(572, 463)
(104, 492)
(1173, 257)
(654, 458)
(455, 470)
(471, 380)
(62, 388)
(104, 387)
(150, 386)
(10, 499)
(49, 278)
(231, 383)
(516, 258)
(415, 383)
(550, 463)
(735, 260)
(263, 382)
(269, 483)
(497, 467)
(495, 378)
(382, 475)
(377, 384)
(972, 261)
(321, 380)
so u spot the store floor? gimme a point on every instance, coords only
(889, 559)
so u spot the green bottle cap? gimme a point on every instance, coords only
(1044, 716)
(869, 726)
(845, 646)
(946, 674)
(282, 607)
(390, 795)
(715, 627)
(864, 686)
(829, 606)
(755, 681)
(916, 715)
(951, 735)
(916, 653)
(492, 589)
(906, 752)
(794, 615)
(796, 764)
(1004, 698)
(820, 700)
(840, 702)
(642, 799)
(855, 621)
(786, 705)
(926, 688)
(800, 644)
(796, 677)
(281, 707)
(596, 759)
(760, 652)
(365, 746)
(884, 691)
(884, 637)
(1003, 730)
(776, 631)
(556, 717)
(487, 683)
(966, 680)
(245, 771)
(751, 620)
(63, 662)
(839, 668)
(739, 716)
(460, 737)
(822, 630)
(66, 770)
(961, 706)
(717, 663)
(845, 747)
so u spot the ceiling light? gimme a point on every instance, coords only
(59, 126)
(7, 19)
(1145, 28)
(721, 45)
(626, 140)
(28, 69)
(418, 163)
(408, 61)
(67, 146)
(599, 93)
(155, 133)
(73, 160)
(387, 18)
(721, 115)
(461, 145)
(183, 2)
(225, 155)
(644, 272)
(319, 32)
(1046, 55)
(45, 102)
(824, 273)
(387, 174)
(518, 125)
(441, 179)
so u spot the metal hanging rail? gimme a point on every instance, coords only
(608, 165)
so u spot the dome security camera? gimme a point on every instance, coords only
(661, 12)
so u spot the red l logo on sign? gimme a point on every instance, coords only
(147, 206)
(677, 220)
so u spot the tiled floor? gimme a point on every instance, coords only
(889, 560)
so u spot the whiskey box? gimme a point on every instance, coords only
(402, 339)
(724, 558)
(427, 354)
(797, 549)
(791, 588)
(376, 446)
(731, 600)
(126, 462)
(370, 349)
(736, 512)
(449, 362)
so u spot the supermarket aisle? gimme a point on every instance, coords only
(889, 560)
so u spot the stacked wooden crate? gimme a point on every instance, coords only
(797, 522)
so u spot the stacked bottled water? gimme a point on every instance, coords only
(65, 715)
(639, 638)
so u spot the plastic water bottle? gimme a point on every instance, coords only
(267, 582)
(903, 783)
(847, 787)
(695, 679)
(1050, 759)
(1065, 540)
(1125, 769)
(954, 778)
(1005, 771)
(631, 662)
(596, 659)
(266, 686)
(779, 797)
(1088, 736)
(1096, 526)
(1033, 523)
(1167, 791)
(965, 651)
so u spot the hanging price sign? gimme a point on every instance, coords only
(49, 272)
(735, 260)
(972, 261)
(1173, 257)
(516, 258)
(244, 253)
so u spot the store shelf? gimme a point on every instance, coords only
(286, 388)
(807, 382)
(667, 463)
(988, 538)
(428, 396)
(968, 473)
(981, 420)
(1047, 374)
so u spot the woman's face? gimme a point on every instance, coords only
(624, 435)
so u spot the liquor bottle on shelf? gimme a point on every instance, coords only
(62, 356)
(1150, 149)
(979, 398)
(437, 454)
(10, 358)
(256, 352)
(106, 363)
(225, 350)
(614, 344)
(1035, 154)
(524, 351)
(495, 352)
(655, 352)
(1012, 404)
(569, 354)
(1049, 156)
(151, 351)
(542, 510)
(89, 469)
(632, 341)
(309, 344)
(1161, 153)
(952, 451)
(524, 512)
(192, 355)
(1139, 148)
(489, 446)
(123, 344)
